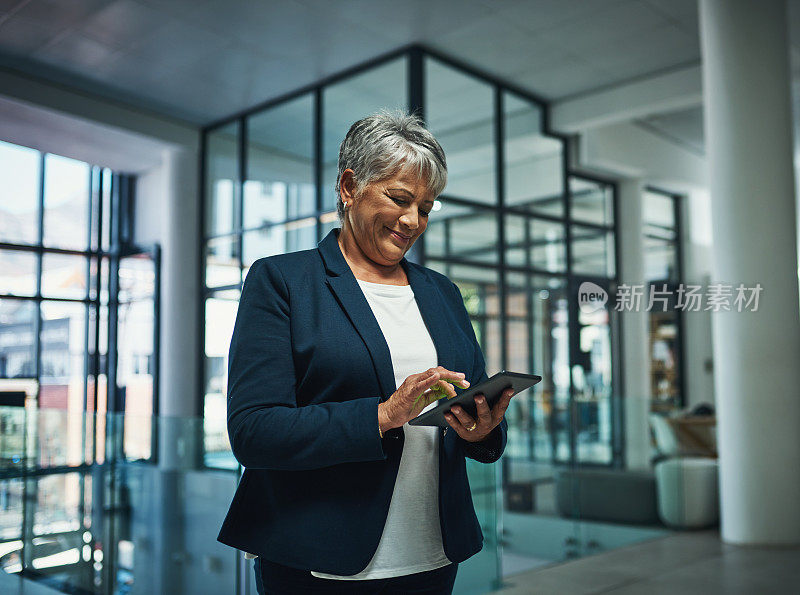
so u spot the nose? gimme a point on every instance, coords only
(410, 219)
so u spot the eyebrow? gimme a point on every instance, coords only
(411, 194)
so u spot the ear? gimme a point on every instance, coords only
(347, 185)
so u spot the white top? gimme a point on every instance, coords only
(412, 536)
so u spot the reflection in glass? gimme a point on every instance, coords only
(220, 317)
(593, 251)
(222, 179)
(658, 210)
(280, 164)
(462, 232)
(592, 202)
(538, 343)
(591, 379)
(66, 203)
(346, 102)
(62, 353)
(661, 265)
(18, 272)
(57, 504)
(222, 262)
(19, 194)
(533, 162)
(279, 239)
(63, 276)
(660, 259)
(17, 339)
(135, 352)
(480, 290)
(62, 383)
(536, 243)
(459, 110)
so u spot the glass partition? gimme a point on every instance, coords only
(515, 230)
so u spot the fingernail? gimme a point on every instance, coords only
(456, 409)
(480, 399)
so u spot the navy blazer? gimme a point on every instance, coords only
(308, 366)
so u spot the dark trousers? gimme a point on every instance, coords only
(276, 579)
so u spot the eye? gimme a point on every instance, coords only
(425, 213)
(399, 201)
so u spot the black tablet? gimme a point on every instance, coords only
(492, 389)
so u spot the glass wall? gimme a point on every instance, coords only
(77, 315)
(662, 261)
(516, 231)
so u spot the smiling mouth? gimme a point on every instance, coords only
(399, 236)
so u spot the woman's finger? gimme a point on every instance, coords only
(484, 415)
(499, 410)
(463, 418)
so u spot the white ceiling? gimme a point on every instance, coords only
(200, 60)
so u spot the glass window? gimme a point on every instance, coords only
(462, 232)
(62, 353)
(222, 263)
(592, 383)
(221, 309)
(17, 339)
(279, 239)
(346, 102)
(66, 203)
(280, 164)
(480, 289)
(222, 180)
(534, 175)
(592, 202)
(535, 243)
(662, 269)
(459, 110)
(592, 251)
(64, 276)
(19, 272)
(19, 194)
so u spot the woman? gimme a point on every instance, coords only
(331, 351)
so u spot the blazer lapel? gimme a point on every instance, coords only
(348, 293)
(350, 297)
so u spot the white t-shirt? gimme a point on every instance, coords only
(412, 536)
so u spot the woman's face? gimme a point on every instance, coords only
(389, 215)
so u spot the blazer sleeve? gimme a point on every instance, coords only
(491, 448)
(267, 429)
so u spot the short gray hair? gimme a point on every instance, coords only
(380, 145)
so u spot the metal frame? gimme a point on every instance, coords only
(677, 244)
(416, 54)
(121, 190)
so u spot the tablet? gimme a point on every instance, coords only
(493, 388)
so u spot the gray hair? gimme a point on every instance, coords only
(380, 145)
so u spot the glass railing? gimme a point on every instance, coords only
(125, 504)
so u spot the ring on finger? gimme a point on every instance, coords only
(472, 427)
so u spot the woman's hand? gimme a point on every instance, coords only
(475, 430)
(417, 392)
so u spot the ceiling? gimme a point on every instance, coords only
(202, 60)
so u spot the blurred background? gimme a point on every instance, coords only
(152, 150)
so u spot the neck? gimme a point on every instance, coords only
(362, 266)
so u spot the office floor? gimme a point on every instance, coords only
(687, 563)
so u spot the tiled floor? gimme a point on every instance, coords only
(685, 563)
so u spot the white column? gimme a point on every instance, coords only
(180, 336)
(756, 355)
(635, 348)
